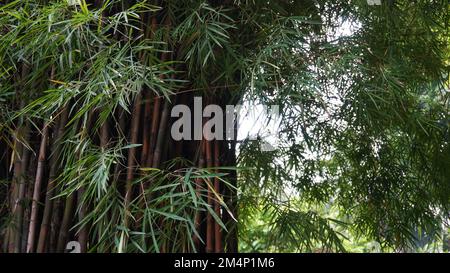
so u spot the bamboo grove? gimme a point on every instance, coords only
(51, 202)
(86, 153)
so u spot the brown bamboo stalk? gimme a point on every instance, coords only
(55, 224)
(69, 205)
(83, 233)
(132, 151)
(54, 170)
(232, 243)
(154, 130)
(83, 236)
(104, 135)
(135, 120)
(209, 218)
(32, 167)
(122, 122)
(21, 206)
(17, 155)
(51, 186)
(144, 154)
(149, 31)
(5, 232)
(157, 130)
(19, 209)
(155, 122)
(229, 197)
(14, 194)
(161, 135)
(81, 206)
(146, 129)
(6, 240)
(217, 228)
(67, 219)
(198, 188)
(134, 133)
(120, 129)
(37, 189)
(148, 107)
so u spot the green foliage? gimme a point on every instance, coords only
(364, 115)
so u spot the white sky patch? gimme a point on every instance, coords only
(255, 121)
